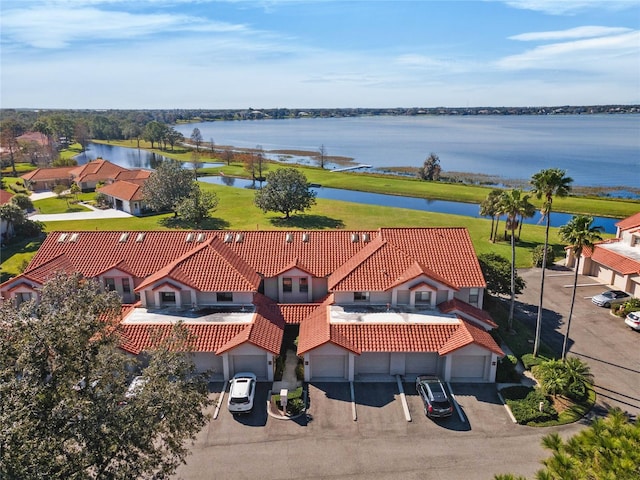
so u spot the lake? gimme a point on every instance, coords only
(439, 206)
(595, 150)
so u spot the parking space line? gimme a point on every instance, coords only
(220, 398)
(584, 285)
(455, 404)
(405, 406)
(513, 419)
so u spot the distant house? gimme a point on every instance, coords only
(5, 197)
(615, 262)
(85, 176)
(125, 193)
(365, 305)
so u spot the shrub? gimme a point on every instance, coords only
(517, 392)
(528, 410)
(300, 370)
(623, 310)
(538, 253)
(506, 371)
(295, 406)
(529, 361)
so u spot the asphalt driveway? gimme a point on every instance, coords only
(602, 340)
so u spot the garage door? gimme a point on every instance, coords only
(250, 363)
(468, 367)
(328, 366)
(421, 363)
(373, 363)
(208, 362)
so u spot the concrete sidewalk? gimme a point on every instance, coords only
(94, 214)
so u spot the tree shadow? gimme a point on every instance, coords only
(303, 221)
(182, 224)
(552, 332)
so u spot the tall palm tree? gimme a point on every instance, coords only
(547, 183)
(489, 208)
(515, 205)
(579, 234)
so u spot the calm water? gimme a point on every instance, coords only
(439, 206)
(596, 150)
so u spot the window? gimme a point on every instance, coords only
(110, 284)
(423, 297)
(304, 284)
(168, 297)
(22, 297)
(361, 296)
(473, 295)
(224, 296)
(126, 287)
(287, 284)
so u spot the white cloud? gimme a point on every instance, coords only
(572, 33)
(603, 54)
(569, 7)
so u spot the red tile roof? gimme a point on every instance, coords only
(460, 307)
(295, 313)
(42, 174)
(469, 334)
(96, 171)
(5, 197)
(135, 174)
(128, 190)
(629, 222)
(444, 253)
(614, 260)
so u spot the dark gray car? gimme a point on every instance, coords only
(434, 396)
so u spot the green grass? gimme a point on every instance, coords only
(60, 205)
(16, 255)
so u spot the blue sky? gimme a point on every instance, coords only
(314, 54)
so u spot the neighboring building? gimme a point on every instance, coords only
(366, 305)
(86, 176)
(125, 193)
(615, 262)
(5, 197)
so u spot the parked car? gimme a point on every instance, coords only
(633, 320)
(611, 297)
(434, 396)
(242, 392)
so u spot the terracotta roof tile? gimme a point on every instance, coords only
(468, 334)
(5, 197)
(615, 261)
(295, 313)
(134, 174)
(397, 337)
(128, 190)
(458, 306)
(96, 170)
(41, 174)
(629, 222)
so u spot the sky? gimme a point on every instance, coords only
(236, 54)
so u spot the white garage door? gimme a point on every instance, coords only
(250, 363)
(603, 274)
(469, 367)
(328, 366)
(373, 363)
(208, 362)
(421, 363)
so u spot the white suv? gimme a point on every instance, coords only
(242, 392)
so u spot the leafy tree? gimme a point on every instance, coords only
(196, 206)
(608, 449)
(539, 256)
(196, 138)
(490, 207)
(23, 201)
(173, 137)
(286, 191)
(9, 131)
(75, 190)
(260, 163)
(547, 183)
(13, 215)
(167, 186)
(81, 133)
(497, 271)
(64, 162)
(153, 132)
(431, 168)
(62, 382)
(227, 154)
(515, 206)
(579, 233)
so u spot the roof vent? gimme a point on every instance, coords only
(74, 237)
(228, 238)
(140, 237)
(365, 237)
(305, 237)
(124, 237)
(62, 237)
(289, 237)
(201, 237)
(190, 237)
(239, 238)
(354, 237)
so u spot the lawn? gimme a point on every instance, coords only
(51, 205)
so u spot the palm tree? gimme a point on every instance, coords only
(489, 208)
(547, 183)
(514, 205)
(579, 234)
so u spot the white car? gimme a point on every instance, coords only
(611, 297)
(242, 392)
(633, 320)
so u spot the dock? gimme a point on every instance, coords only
(362, 165)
